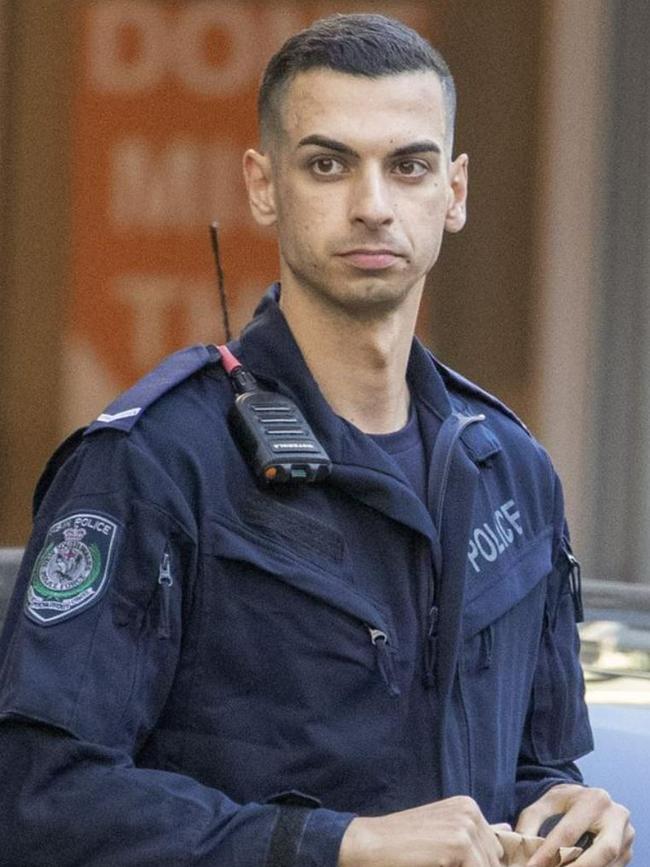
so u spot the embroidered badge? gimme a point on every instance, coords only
(71, 571)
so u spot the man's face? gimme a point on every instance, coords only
(360, 187)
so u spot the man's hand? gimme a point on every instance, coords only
(449, 833)
(585, 810)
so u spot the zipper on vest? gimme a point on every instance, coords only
(575, 583)
(468, 732)
(463, 422)
(384, 658)
(433, 614)
(431, 649)
(165, 582)
(487, 646)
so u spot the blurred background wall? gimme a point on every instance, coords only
(121, 132)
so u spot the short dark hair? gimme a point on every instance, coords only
(361, 44)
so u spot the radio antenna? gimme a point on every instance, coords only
(214, 236)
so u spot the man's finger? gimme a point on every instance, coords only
(491, 848)
(566, 833)
(531, 819)
(604, 853)
(610, 847)
(494, 851)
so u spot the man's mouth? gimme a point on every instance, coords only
(371, 259)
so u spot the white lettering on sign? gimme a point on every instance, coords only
(179, 186)
(110, 70)
(195, 25)
(175, 46)
(493, 537)
(159, 302)
(202, 312)
(152, 298)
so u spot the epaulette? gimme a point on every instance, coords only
(125, 410)
(455, 380)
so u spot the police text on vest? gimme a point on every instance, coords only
(490, 540)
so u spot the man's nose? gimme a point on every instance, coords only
(370, 201)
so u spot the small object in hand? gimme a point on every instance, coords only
(548, 824)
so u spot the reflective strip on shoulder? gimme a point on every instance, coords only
(108, 417)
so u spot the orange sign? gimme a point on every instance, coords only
(163, 108)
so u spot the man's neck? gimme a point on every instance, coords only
(360, 366)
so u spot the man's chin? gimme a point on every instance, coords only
(363, 296)
(368, 300)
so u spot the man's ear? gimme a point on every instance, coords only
(259, 183)
(457, 198)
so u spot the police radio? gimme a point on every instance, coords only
(271, 431)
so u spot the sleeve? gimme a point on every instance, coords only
(557, 729)
(92, 642)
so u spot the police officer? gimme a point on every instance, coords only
(202, 669)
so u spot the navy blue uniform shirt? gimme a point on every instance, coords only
(201, 671)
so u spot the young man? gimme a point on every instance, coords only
(368, 670)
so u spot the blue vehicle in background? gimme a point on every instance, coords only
(616, 660)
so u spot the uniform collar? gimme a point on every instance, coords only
(268, 349)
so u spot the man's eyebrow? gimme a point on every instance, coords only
(416, 147)
(331, 144)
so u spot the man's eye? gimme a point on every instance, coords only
(327, 166)
(411, 168)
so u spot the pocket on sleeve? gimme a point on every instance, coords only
(559, 726)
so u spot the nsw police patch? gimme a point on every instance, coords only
(71, 571)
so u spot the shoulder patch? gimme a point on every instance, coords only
(71, 572)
